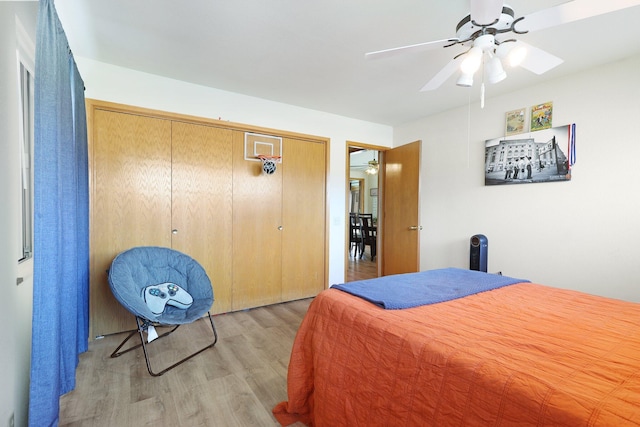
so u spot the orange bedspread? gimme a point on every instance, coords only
(525, 355)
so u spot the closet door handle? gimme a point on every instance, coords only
(280, 228)
(174, 231)
(415, 227)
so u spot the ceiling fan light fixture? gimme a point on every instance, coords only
(373, 168)
(495, 71)
(504, 49)
(472, 61)
(485, 42)
(465, 80)
(516, 55)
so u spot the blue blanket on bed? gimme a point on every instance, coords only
(427, 287)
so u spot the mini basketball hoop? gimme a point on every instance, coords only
(269, 163)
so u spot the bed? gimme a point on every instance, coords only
(519, 354)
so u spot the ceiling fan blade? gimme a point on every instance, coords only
(419, 47)
(537, 60)
(443, 75)
(485, 12)
(571, 11)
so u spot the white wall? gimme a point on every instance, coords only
(583, 234)
(116, 84)
(15, 315)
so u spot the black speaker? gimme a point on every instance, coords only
(478, 253)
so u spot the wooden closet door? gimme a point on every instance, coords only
(303, 245)
(257, 218)
(202, 202)
(130, 202)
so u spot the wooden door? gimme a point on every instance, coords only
(303, 210)
(257, 231)
(202, 188)
(401, 240)
(130, 166)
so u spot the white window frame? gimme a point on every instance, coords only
(25, 55)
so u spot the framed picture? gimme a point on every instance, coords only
(373, 192)
(541, 116)
(541, 156)
(515, 122)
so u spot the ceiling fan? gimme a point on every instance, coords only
(489, 34)
(371, 167)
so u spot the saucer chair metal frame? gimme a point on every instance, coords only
(133, 270)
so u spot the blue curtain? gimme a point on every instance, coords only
(61, 223)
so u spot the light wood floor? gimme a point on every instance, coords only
(361, 268)
(235, 383)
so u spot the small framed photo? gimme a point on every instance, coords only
(515, 122)
(373, 192)
(541, 116)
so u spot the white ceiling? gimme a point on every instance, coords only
(311, 53)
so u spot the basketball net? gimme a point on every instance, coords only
(269, 164)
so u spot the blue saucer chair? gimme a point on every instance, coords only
(133, 270)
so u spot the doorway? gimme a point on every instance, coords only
(396, 200)
(363, 212)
